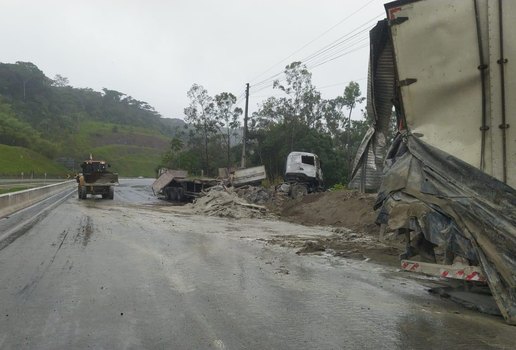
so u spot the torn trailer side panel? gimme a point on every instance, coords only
(455, 206)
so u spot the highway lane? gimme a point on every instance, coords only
(135, 273)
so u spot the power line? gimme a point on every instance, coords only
(344, 38)
(339, 56)
(313, 40)
(315, 65)
(326, 49)
(341, 83)
(338, 51)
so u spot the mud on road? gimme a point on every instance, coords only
(351, 217)
(348, 215)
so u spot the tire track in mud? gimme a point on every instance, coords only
(85, 231)
(29, 288)
(83, 235)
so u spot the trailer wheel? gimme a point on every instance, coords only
(82, 192)
(111, 192)
(173, 194)
(180, 195)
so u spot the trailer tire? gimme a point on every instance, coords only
(82, 192)
(172, 194)
(180, 195)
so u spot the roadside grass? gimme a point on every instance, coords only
(83, 140)
(126, 159)
(129, 161)
(13, 189)
(16, 160)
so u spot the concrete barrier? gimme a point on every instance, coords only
(14, 201)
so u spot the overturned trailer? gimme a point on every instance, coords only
(177, 186)
(449, 178)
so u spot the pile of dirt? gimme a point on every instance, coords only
(225, 202)
(349, 214)
(349, 209)
(354, 234)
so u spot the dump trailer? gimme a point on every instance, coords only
(448, 180)
(177, 186)
(96, 179)
(303, 173)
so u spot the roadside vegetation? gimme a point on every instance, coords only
(13, 189)
(64, 125)
(298, 120)
(17, 160)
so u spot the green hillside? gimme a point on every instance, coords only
(15, 160)
(130, 161)
(132, 151)
(67, 124)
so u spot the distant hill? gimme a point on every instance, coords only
(66, 124)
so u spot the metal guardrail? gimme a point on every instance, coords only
(14, 201)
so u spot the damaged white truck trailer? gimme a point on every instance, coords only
(448, 180)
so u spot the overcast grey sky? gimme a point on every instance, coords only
(154, 50)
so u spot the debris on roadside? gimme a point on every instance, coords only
(226, 202)
(254, 194)
(342, 242)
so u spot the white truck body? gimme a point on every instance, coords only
(304, 163)
(438, 47)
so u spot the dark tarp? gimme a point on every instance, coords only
(454, 205)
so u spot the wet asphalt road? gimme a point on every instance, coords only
(133, 274)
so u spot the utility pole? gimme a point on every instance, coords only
(244, 138)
